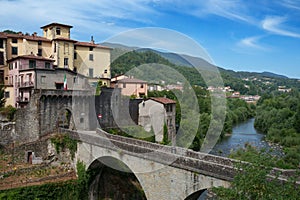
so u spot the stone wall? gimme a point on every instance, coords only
(7, 132)
(27, 120)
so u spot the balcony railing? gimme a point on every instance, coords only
(25, 84)
(22, 99)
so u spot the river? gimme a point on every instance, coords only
(241, 134)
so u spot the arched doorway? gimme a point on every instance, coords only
(108, 183)
(65, 119)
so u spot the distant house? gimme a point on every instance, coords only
(131, 86)
(155, 112)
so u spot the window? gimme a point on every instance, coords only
(43, 79)
(32, 63)
(66, 62)
(54, 47)
(15, 65)
(105, 71)
(66, 48)
(10, 66)
(47, 65)
(1, 58)
(39, 42)
(59, 86)
(39, 52)
(29, 77)
(6, 94)
(91, 48)
(91, 72)
(14, 50)
(75, 79)
(1, 43)
(75, 55)
(124, 85)
(57, 31)
(142, 85)
(91, 57)
(14, 40)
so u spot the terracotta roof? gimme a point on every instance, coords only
(89, 44)
(22, 36)
(56, 24)
(163, 100)
(31, 57)
(131, 80)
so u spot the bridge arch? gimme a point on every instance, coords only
(159, 181)
(125, 184)
(196, 195)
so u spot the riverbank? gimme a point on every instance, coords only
(242, 135)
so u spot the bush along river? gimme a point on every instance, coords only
(243, 134)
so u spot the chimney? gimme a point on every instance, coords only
(92, 40)
(34, 34)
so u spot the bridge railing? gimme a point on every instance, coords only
(172, 149)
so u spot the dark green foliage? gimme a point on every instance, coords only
(10, 31)
(82, 181)
(98, 88)
(278, 117)
(62, 141)
(251, 181)
(137, 132)
(51, 191)
(297, 119)
(2, 99)
(165, 136)
(9, 112)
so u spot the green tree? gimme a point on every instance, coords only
(252, 182)
(2, 97)
(297, 119)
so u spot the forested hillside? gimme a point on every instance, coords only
(159, 68)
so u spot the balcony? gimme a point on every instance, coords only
(22, 99)
(25, 84)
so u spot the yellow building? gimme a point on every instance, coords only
(86, 58)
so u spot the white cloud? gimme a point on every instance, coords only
(274, 25)
(252, 42)
(103, 18)
(291, 4)
(230, 9)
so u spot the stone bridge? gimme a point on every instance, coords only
(164, 172)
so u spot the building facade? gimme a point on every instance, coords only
(85, 58)
(131, 87)
(154, 113)
(30, 72)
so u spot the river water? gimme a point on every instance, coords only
(241, 134)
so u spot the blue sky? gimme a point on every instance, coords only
(253, 35)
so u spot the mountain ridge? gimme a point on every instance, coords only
(191, 61)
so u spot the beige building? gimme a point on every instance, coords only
(86, 58)
(131, 87)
